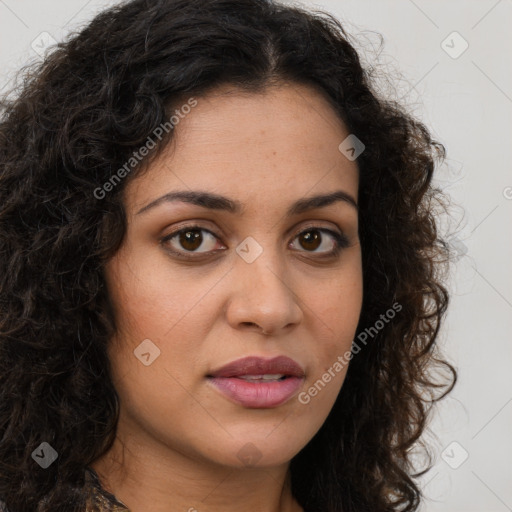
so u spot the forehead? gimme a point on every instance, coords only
(283, 140)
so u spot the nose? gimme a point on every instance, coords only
(263, 297)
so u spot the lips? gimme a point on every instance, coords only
(259, 383)
(257, 366)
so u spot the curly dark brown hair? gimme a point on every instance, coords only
(78, 117)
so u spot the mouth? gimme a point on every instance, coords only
(255, 382)
(268, 377)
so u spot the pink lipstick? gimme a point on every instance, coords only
(259, 383)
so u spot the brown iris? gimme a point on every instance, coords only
(311, 239)
(191, 240)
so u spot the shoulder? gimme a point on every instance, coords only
(97, 498)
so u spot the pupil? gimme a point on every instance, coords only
(191, 239)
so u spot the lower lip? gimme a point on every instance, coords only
(258, 394)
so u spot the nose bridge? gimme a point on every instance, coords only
(262, 294)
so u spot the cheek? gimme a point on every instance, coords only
(151, 302)
(336, 308)
(153, 314)
(337, 305)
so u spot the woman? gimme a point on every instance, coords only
(220, 270)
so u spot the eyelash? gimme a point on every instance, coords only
(341, 241)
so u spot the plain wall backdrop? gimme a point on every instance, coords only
(449, 62)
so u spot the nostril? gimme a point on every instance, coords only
(252, 324)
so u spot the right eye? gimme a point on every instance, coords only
(188, 239)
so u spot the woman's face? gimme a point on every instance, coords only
(263, 281)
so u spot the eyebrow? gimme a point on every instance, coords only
(217, 202)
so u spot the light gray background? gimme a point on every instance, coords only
(467, 103)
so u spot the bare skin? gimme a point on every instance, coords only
(179, 439)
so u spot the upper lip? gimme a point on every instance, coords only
(254, 365)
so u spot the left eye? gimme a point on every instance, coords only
(313, 240)
(190, 239)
